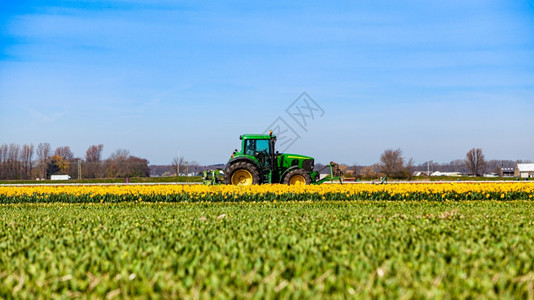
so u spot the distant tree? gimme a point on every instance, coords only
(65, 153)
(26, 157)
(122, 164)
(13, 162)
(94, 153)
(52, 168)
(458, 165)
(93, 159)
(391, 162)
(475, 161)
(355, 169)
(177, 164)
(44, 151)
(351, 171)
(137, 167)
(112, 169)
(408, 169)
(162, 170)
(3, 161)
(370, 172)
(344, 168)
(63, 157)
(117, 163)
(120, 154)
(61, 163)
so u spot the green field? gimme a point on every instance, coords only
(268, 250)
(170, 179)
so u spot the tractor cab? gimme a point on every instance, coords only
(259, 147)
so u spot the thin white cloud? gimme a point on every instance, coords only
(42, 117)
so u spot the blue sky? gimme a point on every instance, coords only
(168, 78)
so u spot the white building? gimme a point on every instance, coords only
(438, 173)
(60, 177)
(524, 170)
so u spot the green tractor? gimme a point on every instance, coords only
(259, 163)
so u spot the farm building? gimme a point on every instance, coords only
(507, 172)
(524, 170)
(420, 173)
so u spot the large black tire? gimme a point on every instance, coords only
(238, 168)
(297, 175)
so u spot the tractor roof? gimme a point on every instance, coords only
(255, 136)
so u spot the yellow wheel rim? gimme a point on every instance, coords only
(297, 179)
(242, 177)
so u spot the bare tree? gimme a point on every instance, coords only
(26, 158)
(177, 164)
(64, 152)
(3, 161)
(44, 151)
(408, 168)
(475, 161)
(93, 159)
(122, 164)
(458, 165)
(120, 154)
(94, 153)
(116, 164)
(391, 162)
(13, 162)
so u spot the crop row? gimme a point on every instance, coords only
(266, 250)
(199, 193)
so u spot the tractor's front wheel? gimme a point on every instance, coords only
(242, 173)
(297, 176)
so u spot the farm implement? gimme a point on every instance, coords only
(259, 163)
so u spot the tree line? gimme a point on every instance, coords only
(393, 165)
(29, 162)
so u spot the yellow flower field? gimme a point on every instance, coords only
(176, 193)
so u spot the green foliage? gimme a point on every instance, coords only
(320, 249)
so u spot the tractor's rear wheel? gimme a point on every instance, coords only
(242, 173)
(297, 176)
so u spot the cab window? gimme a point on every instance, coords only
(253, 147)
(250, 147)
(262, 146)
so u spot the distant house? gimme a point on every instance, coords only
(420, 173)
(524, 170)
(507, 172)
